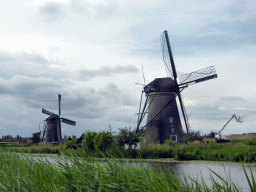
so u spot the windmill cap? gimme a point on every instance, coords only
(52, 117)
(164, 85)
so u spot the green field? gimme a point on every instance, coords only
(40, 148)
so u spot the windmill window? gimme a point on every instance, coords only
(172, 130)
(170, 119)
(174, 138)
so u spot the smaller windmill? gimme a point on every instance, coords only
(54, 124)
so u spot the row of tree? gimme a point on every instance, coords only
(104, 140)
(192, 136)
(11, 137)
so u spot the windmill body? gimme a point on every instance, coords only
(53, 122)
(167, 124)
(163, 120)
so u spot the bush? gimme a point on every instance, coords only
(192, 136)
(35, 138)
(250, 142)
(103, 140)
(236, 141)
(146, 153)
(33, 150)
(182, 155)
(170, 142)
(48, 150)
(88, 141)
(55, 143)
(129, 137)
(28, 144)
(13, 145)
(70, 144)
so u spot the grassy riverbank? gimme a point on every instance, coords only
(20, 172)
(39, 149)
(236, 151)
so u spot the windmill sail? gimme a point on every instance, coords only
(47, 112)
(167, 56)
(171, 70)
(198, 76)
(59, 100)
(67, 121)
(184, 112)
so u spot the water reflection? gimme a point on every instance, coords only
(202, 170)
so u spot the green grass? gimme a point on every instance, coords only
(237, 151)
(20, 172)
(40, 148)
(242, 151)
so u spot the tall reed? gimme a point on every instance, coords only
(21, 172)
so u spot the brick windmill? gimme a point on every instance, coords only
(163, 120)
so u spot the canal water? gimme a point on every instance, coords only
(199, 171)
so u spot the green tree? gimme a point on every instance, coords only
(192, 136)
(35, 138)
(211, 135)
(129, 137)
(88, 141)
(103, 140)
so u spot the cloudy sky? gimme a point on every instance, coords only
(91, 52)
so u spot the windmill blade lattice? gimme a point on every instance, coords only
(185, 115)
(167, 56)
(198, 76)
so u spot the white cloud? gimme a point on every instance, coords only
(88, 74)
